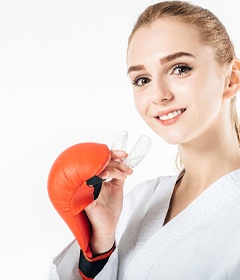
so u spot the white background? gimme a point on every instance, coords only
(63, 81)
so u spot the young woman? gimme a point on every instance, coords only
(185, 78)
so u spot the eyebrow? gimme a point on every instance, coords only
(135, 68)
(173, 56)
(163, 60)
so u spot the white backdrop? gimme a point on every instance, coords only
(63, 81)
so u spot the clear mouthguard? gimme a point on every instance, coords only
(138, 152)
(120, 141)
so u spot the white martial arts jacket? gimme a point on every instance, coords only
(200, 243)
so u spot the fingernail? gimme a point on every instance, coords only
(120, 153)
(105, 175)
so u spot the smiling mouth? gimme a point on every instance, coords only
(171, 115)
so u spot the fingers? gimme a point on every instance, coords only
(118, 154)
(116, 168)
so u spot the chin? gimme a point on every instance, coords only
(172, 139)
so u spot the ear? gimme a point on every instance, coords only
(233, 80)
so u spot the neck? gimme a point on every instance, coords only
(209, 158)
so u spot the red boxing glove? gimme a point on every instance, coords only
(73, 185)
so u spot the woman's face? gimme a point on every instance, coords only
(178, 85)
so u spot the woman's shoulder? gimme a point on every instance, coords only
(140, 197)
(150, 186)
(150, 189)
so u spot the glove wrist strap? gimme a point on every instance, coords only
(89, 268)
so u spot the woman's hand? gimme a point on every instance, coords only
(105, 211)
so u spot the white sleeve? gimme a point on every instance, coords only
(65, 265)
(53, 275)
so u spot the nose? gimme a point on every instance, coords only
(161, 92)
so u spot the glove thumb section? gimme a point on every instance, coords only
(68, 189)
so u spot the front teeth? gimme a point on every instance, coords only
(171, 115)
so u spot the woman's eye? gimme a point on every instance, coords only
(180, 70)
(140, 81)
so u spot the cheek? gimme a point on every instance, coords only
(140, 104)
(208, 95)
(137, 103)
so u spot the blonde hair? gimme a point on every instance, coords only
(212, 32)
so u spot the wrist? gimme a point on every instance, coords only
(102, 244)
